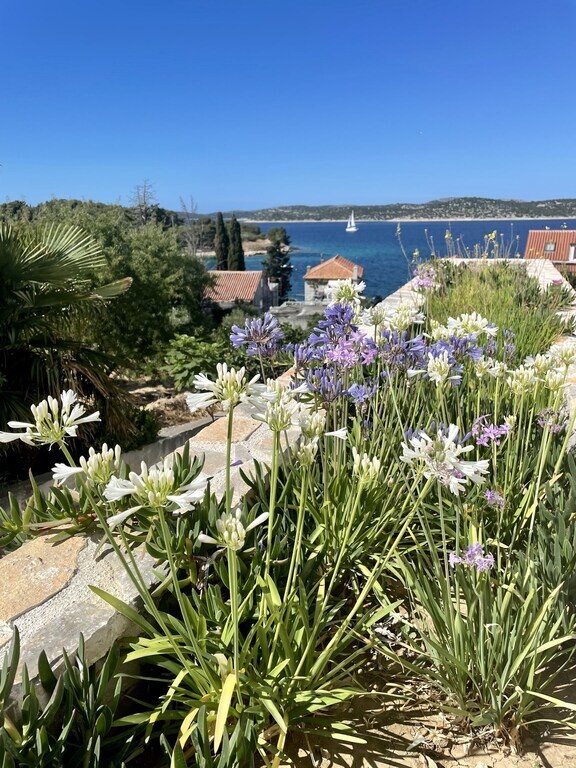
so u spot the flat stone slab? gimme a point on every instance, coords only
(216, 432)
(36, 572)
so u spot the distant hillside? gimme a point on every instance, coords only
(447, 208)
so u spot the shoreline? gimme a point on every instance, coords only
(408, 220)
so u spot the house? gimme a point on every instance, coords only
(250, 286)
(337, 268)
(557, 245)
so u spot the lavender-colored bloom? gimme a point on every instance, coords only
(326, 383)
(494, 499)
(509, 349)
(555, 421)
(344, 353)
(486, 433)
(361, 393)
(400, 353)
(337, 323)
(261, 336)
(473, 557)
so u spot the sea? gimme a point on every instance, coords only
(386, 254)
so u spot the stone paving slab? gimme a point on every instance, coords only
(41, 568)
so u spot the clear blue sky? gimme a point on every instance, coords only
(263, 102)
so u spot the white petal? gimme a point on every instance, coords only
(62, 472)
(199, 400)
(260, 519)
(204, 539)
(342, 434)
(117, 489)
(121, 517)
(8, 437)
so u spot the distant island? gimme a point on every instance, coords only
(447, 208)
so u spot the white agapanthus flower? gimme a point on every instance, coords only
(52, 422)
(403, 316)
(439, 369)
(312, 422)
(230, 388)
(306, 452)
(376, 315)
(540, 363)
(522, 380)
(563, 354)
(231, 533)
(365, 468)
(98, 467)
(555, 379)
(439, 457)
(468, 324)
(344, 292)
(157, 487)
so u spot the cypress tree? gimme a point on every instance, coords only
(221, 243)
(277, 268)
(236, 252)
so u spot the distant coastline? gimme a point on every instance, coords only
(407, 220)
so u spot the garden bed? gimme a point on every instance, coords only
(407, 518)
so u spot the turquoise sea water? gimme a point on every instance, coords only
(375, 246)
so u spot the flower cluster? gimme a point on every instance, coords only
(230, 388)
(486, 433)
(439, 457)
(555, 421)
(52, 422)
(424, 278)
(98, 467)
(156, 487)
(345, 292)
(260, 336)
(230, 531)
(473, 557)
(494, 499)
(366, 469)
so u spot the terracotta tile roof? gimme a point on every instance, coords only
(336, 268)
(229, 286)
(538, 238)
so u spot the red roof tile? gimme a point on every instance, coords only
(336, 268)
(538, 238)
(229, 286)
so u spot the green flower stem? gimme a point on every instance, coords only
(229, 433)
(272, 501)
(131, 568)
(233, 584)
(296, 551)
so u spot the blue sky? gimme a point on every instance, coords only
(245, 105)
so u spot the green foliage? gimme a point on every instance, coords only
(221, 243)
(506, 294)
(236, 252)
(47, 296)
(278, 236)
(73, 728)
(277, 268)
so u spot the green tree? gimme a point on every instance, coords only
(278, 235)
(277, 268)
(221, 243)
(236, 252)
(47, 298)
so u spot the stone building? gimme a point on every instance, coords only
(249, 286)
(337, 268)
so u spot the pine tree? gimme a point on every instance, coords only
(277, 268)
(236, 252)
(221, 243)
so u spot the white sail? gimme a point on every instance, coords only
(351, 226)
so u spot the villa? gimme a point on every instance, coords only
(250, 287)
(337, 268)
(556, 245)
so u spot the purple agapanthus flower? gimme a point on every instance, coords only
(473, 557)
(261, 336)
(336, 324)
(326, 383)
(486, 433)
(494, 499)
(361, 393)
(555, 421)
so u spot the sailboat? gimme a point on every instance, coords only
(351, 226)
